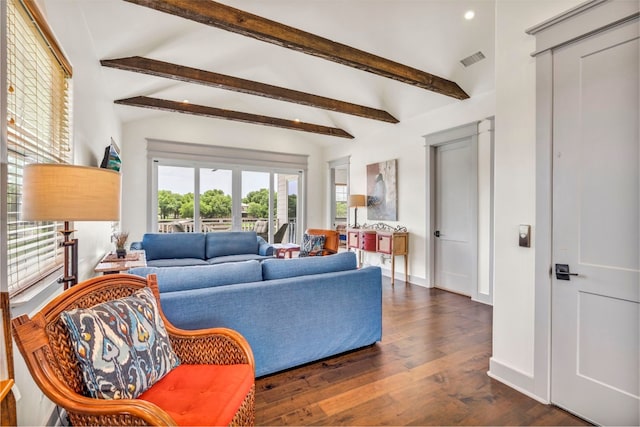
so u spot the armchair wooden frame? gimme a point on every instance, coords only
(331, 241)
(46, 347)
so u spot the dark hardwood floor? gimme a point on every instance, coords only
(429, 369)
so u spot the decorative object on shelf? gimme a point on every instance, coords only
(120, 239)
(56, 192)
(357, 200)
(382, 191)
(111, 159)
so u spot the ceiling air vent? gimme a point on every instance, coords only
(472, 59)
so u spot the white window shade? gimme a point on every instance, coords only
(38, 123)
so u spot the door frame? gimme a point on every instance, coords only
(475, 130)
(341, 163)
(575, 24)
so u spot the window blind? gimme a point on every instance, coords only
(38, 123)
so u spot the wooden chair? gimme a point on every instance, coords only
(277, 238)
(331, 241)
(47, 350)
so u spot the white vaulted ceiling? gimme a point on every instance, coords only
(430, 35)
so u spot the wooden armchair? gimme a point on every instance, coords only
(331, 241)
(47, 349)
(277, 237)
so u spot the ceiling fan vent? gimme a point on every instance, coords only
(472, 59)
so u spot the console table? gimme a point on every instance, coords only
(392, 243)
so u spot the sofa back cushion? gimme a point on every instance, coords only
(171, 279)
(282, 268)
(173, 245)
(231, 243)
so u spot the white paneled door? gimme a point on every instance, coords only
(596, 234)
(456, 216)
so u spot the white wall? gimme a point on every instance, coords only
(94, 120)
(94, 123)
(404, 141)
(513, 313)
(207, 131)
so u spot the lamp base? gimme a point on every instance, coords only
(70, 245)
(355, 219)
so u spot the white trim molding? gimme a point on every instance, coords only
(514, 378)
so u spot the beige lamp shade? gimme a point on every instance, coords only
(357, 200)
(53, 192)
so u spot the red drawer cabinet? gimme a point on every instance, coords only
(391, 243)
(367, 241)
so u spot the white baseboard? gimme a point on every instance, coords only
(419, 281)
(483, 298)
(518, 380)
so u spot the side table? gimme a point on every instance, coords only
(284, 249)
(109, 264)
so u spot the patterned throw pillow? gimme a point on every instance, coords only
(122, 345)
(311, 243)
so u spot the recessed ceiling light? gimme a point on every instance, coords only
(185, 101)
(296, 120)
(469, 15)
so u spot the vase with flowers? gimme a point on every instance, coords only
(120, 239)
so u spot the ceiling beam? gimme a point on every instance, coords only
(201, 110)
(193, 75)
(231, 19)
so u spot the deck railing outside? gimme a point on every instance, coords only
(217, 224)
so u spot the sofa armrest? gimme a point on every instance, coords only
(136, 246)
(264, 248)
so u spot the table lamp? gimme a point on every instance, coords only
(357, 200)
(57, 192)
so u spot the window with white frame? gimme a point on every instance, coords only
(37, 121)
(216, 188)
(341, 201)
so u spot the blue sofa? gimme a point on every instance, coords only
(292, 311)
(184, 249)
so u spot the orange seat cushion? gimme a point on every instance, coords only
(202, 395)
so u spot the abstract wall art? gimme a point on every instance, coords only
(382, 191)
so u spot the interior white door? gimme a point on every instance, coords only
(456, 216)
(596, 189)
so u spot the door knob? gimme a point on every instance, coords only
(563, 272)
(436, 233)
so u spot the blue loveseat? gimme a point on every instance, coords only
(292, 311)
(183, 249)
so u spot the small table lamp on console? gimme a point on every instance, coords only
(57, 192)
(357, 200)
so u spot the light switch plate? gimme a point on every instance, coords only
(524, 235)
